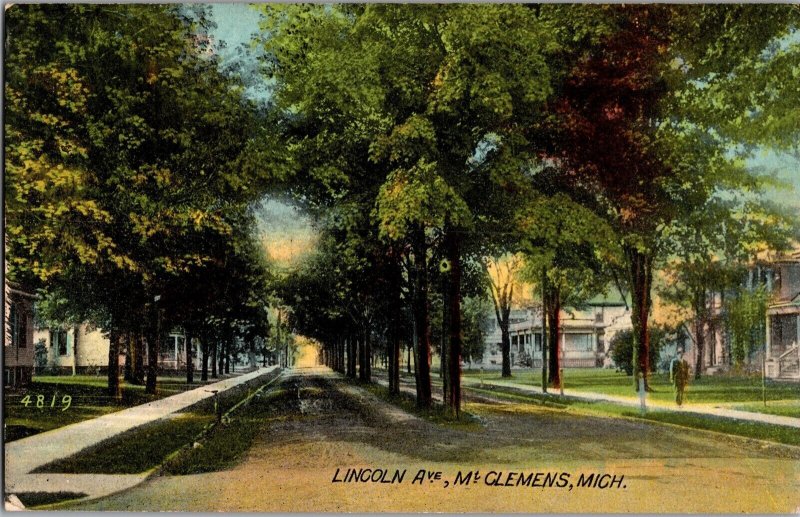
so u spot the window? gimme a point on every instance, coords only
(22, 329)
(12, 320)
(537, 340)
(19, 326)
(58, 340)
(578, 342)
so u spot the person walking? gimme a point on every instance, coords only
(679, 375)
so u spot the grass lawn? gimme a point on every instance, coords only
(735, 391)
(757, 430)
(137, 450)
(146, 447)
(89, 400)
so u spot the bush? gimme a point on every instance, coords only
(622, 348)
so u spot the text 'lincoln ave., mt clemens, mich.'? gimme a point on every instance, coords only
(562, 480)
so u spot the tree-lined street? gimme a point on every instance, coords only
(293, 461)
(473, 238)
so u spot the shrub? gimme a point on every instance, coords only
(622, 348)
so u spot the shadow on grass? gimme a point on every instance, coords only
(33, 499)
(146, 447)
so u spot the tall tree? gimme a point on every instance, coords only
(633, 115)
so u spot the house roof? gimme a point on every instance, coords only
(790, 307)
(612, 299)
(788, 256)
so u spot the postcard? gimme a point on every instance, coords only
(496, 258)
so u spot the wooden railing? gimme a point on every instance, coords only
(790, 358)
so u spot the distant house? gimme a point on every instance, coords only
(585, 334)
(83, 349)
(80, 349)
(782, 359)
(18, 351)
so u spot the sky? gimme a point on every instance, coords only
(287, 233)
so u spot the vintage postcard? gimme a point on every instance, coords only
(498, 258)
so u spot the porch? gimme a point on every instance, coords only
(783, 339)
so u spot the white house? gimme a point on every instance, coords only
(585, 334)
(84, 349)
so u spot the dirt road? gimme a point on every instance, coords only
(320, 424)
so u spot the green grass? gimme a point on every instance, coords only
(757, 430)
(33, 499)
(722, 389)
(143, 448)
(134, 451)
(89, 400)
(225, 444)
(790, 408)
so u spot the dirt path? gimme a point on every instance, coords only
(322, 425)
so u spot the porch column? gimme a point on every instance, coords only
(797, 338)
(768, 347)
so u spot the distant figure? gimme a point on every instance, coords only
(679, 375)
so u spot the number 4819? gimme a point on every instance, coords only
(66, 401)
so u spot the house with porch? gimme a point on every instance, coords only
(585, 334)
(782, 352)
(83, 349)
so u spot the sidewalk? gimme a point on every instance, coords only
(23, 456)
(702, 409)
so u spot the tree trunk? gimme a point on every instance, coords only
(352, 349)
(153, 347)
(189, 360)
(554, 326)
(544, 331)
(422, 321)
(444, 347)
(204, 348)
(228, 351)
(138, 359)
(505, 342)
(545, 346)
(343, 355)
(640, 270)
(113, 363)
(700, 331)
(128, 370)
(75, 341)
(365, 357)
(454, 360)
(726, 338)
(214, 353)
(362, 359)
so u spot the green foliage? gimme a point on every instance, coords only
(574, 246)
(745, 320)
(622, 348)
(474, 327)
(124, 163)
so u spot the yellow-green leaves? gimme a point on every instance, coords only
(420, 196)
